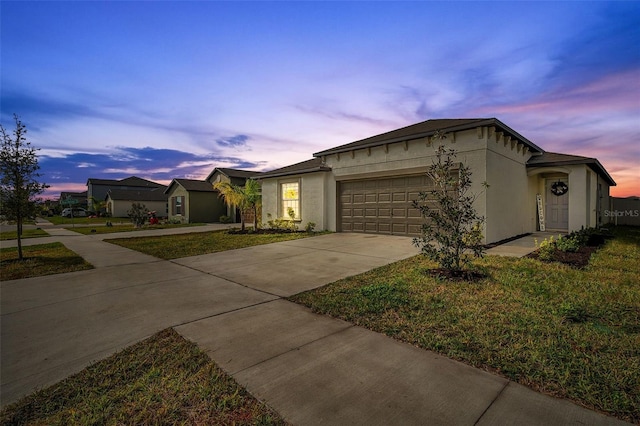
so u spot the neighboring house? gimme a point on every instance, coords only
(98, 188)
(368, 185)
(236, 177)
(196, 200)
(193, 201)
(79, 197)
(119, 201)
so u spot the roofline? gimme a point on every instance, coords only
(268, 175)
(593, 163)
(480, 123)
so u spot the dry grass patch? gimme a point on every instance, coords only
(566, 332)
(162, 380)
(41, 259)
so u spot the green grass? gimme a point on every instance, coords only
(41, 259)
(59, 220)
(193, 244)
(162, 380)
(26, 233)
(103, 229)
(566, 332)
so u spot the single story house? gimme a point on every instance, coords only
(368, 185)
(196, 201)
(119, 201)
(97, 188)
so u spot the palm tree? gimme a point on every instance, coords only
(247, 198)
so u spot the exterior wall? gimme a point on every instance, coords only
(119, 208)
(205, 207)
(313, 199)
(508, 198)
(179, 191)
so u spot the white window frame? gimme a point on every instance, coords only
(282, 210)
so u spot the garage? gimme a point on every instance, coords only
(381, 206)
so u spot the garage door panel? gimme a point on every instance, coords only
(382, 205)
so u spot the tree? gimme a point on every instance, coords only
(452, 232)
(138, 214)
(18, 181)
(246, 198)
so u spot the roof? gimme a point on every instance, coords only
(309, 166)
(138, 195)
(549, 159)
(233, 173)
(191, 185)
(130, 181)
(429, 128)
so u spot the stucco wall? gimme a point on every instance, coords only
(178, 191)
(313, 199)
(510, 206)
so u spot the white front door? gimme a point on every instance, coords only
(557, 206)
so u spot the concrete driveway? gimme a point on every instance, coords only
(56, 325)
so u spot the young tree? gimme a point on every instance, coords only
(452, 232)
(138, 214)
(246, 198)
(18, 181)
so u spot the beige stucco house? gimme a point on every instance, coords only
(368, 185)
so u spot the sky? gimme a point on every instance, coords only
(173, 89)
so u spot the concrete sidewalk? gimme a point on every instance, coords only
(312, 369)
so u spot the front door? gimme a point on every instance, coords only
(557, 204)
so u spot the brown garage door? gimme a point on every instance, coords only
(381, 206)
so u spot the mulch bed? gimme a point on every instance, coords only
(578, 259)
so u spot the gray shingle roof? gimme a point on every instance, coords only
(309, 166)
(192, 185)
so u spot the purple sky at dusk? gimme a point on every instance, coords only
(166, 90)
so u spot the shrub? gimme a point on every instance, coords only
(569, 243)
(225, 219)
(452, 231)
(546, 248)
(138, 214)
(310, 227)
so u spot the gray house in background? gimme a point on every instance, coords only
(98, 188)
(119, 201)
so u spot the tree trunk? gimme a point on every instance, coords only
(19, 232)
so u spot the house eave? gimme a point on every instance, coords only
(292, 173)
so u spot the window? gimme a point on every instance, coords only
(177, 205)
(290, 200)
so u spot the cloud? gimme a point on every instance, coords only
(236, 141)
(159, 165)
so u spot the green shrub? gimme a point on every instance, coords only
(225, 219)
(570, 243)
(310, 227)
(546, 248)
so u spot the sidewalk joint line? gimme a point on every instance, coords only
(492, 402)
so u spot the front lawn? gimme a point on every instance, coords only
(26, 233)
(162, 380)
(568, 332)
(127, 227)
(41, 259)
(193, 244)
